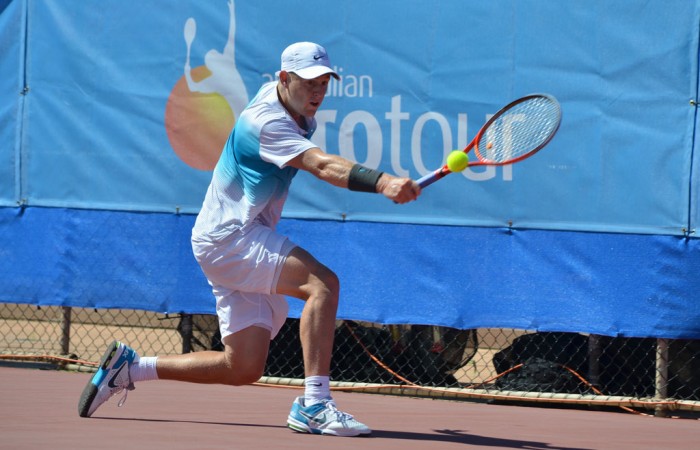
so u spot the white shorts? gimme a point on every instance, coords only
(243, 270)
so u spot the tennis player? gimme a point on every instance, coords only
(250, 266)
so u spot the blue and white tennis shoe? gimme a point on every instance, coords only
(112, 377)
(324, 418)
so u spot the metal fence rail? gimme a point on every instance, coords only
(487, 364)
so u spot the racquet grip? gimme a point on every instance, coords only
(429, 179)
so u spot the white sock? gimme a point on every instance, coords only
(316, 388)
(144, 369)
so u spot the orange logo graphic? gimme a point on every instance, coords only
(203, 106)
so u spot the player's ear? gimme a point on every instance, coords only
(284, 78)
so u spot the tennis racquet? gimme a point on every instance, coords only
(517, 131)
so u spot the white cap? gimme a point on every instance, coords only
(307, 60)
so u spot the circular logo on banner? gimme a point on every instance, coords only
(203, 106)
(197, 124)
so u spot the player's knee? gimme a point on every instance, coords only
(242, 374)
(243, 368)
(247, 376)
(333, 285)
(330, 284)
(327, 292)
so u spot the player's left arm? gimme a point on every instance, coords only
(337, 170)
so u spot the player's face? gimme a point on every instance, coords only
(306, 96)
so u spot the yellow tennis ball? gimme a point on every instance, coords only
(457, 161)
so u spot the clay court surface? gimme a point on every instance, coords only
(38, 409)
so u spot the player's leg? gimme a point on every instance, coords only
(304, 277)
(247, 322)
(241, 362)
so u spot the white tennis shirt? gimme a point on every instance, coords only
(250, 181)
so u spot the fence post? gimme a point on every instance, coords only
(594, 353)
(65, 329)
(661, 376)
(185, 329)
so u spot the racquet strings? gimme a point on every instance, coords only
(523, 128)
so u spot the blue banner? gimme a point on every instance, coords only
(129, 103)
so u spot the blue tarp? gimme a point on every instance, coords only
(463, 277)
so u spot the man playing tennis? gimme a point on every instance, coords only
(250, 266)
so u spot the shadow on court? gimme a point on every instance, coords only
(461, 437)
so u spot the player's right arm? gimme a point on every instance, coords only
(336, 170)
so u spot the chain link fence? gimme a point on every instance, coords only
(487, 364)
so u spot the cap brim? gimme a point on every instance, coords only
(310, 73)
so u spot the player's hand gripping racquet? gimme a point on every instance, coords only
(514, 133)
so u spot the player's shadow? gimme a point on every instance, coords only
(197, 422)
(452, 436)
(461, 437)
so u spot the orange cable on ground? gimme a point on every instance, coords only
(516, 367)
(494, 378)
(47, 358)
(377, 360)
(598, 391)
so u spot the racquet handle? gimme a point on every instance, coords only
(432, 177)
